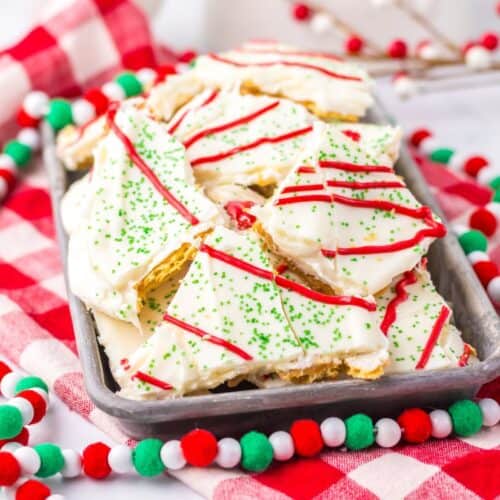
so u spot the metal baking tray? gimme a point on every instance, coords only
(235, 412)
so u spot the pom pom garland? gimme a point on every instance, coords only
(354, 44)
(10, 470)
(146, 458)
(282, 444)
(485, 271)
(30, 382)
(199, 447)
(256, 452)
(441, 423)
(229, 453)
(397, 49)
(301, 11)
(359, 432)
(33, 490)
(333, 431)
(483, 220)
(466, 417)
(28, 459)
(172, 456)
(388, 432)
(489, 41)
(11, 421)
(72, 464)
(120, 459)
(490, 410)
(306, 435)
(51, 457)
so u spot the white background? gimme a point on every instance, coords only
(466, 118)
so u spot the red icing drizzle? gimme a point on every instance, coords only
(464, 358)
(144, 377)
(306, 170)
(207, 101)
(246, 147)
(229, 125)
(326, 198)
(409, 278)
(295, 64)
(353, 167)
(300, 53)
(365, 185)
(81, 130)
(433, 338)
(236, 210)
(208, 337)
(286, 283)
(352, 134)
(300, 188)
(148, 172)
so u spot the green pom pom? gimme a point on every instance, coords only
(441, 155)
(129, 83)
(30, 382)
(359, 432)
(11, 422)
(19, 152)
(59, 114)
(496, 196)
(146, 457)
(51, 459)
(495, 183)
(473, 240)
(256, 451)
(466, 416)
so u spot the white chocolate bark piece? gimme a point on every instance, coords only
(415, 319)
(75, 204)
(334, 330)
(235, 139)
(377, 140)
(144, 208)
(379, 228)
(330, 87)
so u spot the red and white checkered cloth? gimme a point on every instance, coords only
(35, 326)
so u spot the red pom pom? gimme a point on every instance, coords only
(397, 49)
(22, 438)
(4, 368)
(10, 178)
(474, 164)
(301, 12)
(95, 461)
(98, 99)
(354, 44)
(486, 271)
(25, 120)
(164, 71)
(419, 135)
(187, 56)
(37, 402)
(199, 447)
(489, 41)
(306, 437)
(10, 470)
(353, 135)
(416, 425)
(32, 490)
(483, 220)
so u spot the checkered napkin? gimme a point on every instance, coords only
(35, 326)
(79, 43)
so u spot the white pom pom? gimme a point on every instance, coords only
(11, 447)
(321, 23)
(30, 137)
(25, 407)
(333, 431)
(478, 58)
(28, 459)
(4, 188)
(172, 456)
(491, 411)
(36, 104)
(388, 432)
(146, 76)
(113, 91)
(7, 163)
(459, 229)
(477, 256)
(8, 384)
(72, 464)
(282, 444)
(120, 459)
(493, 290)
(55, 497)
(487, 174)
(456, 162)
(83, 111)
(228, 454)
(405, 87)
(428, 145)
(494, 208)
(442, 425)
(429, 52)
